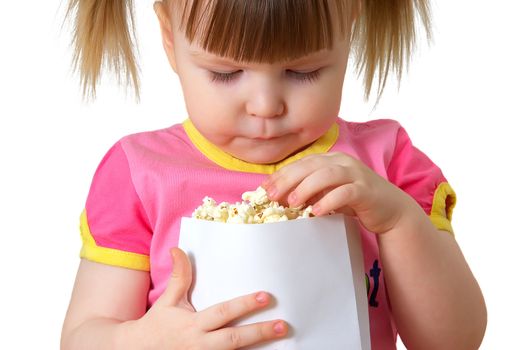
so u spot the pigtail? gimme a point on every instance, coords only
(384, 36)
(102, 37)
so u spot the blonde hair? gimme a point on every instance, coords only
(382, 36)
(102, 36)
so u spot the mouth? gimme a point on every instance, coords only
(267, 138)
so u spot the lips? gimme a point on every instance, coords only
(266, 138)
(263, 130)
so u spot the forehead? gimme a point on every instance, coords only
(319, 57)
(262, 31)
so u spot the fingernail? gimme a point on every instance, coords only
(279, 327)
(261, 297)
(316, 209)
(292, 199)
(265, 183)
(272, 192)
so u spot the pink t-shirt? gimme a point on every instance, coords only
(148, 181)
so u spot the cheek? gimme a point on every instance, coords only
(211, 114)
(319, 104)
(317, 110)
(202, 104)
(196, 94)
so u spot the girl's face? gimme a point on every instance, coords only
(260, 113)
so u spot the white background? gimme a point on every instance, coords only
(464, 102)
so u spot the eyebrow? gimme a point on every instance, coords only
(210, 57)
(316, 56)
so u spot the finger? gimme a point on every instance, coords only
(320, 180)
(279, 184)
(237, 337)
(175, 293)
(348, 195)
(220, 314)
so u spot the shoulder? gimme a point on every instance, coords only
(158, 141)
(372, 132)
(385, 138)
(372, 141)
(157, 146)
(143, 150)
(370, 126)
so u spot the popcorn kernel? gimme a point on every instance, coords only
(256, 208)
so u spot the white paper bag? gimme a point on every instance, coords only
(313, 268)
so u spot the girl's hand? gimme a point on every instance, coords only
(336, 181)
(172, 323)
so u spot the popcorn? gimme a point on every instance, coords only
(257, 197)
(256, 208)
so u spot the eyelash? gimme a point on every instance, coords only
(223, 77)
(303, 77)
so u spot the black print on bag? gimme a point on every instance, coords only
(375, 273)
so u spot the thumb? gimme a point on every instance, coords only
(179, 282)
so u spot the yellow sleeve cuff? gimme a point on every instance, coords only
(108, 256)
(444, 200)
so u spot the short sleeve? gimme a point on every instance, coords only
(115, 229)
(413, 172)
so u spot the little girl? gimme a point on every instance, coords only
(262, 83)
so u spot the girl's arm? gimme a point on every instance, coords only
(435, 300)
(103, 298)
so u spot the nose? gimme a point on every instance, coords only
(266, 102)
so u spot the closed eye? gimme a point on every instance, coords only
(224, 77)
(304, 77)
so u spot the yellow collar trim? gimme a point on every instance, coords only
(227, 161)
